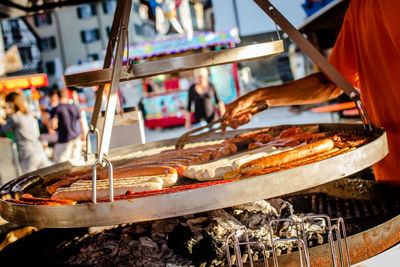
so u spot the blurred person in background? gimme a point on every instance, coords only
(26, 133)
(47, 133)
(66, 119)
(203, 96)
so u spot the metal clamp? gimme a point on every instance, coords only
(128, 62)
(236, 248)
(302, 250)
(363, 113)
(303, 254)
(322, 217)
(97, 133)
(94, 179)
(340, 230)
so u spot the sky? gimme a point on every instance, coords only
(253, 20)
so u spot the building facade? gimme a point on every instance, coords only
(73, 35)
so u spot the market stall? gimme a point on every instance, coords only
(163, 98)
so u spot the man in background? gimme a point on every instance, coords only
(70, 128)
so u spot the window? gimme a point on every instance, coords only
(86, 11)
(43, 19)
(108, 30)
(135, 7)
(93, 56)
(109, 7)
(50, 67)
(89, 36)
(25, 53)
(48, 43)
(138, 29)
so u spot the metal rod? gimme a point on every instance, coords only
(115, 76)
(96, 132)
(332, 245)
(236, 245)
(178, 64)
(340, 230)
(107, 60)
(94, 181)
(322, 217)
(302, 250)
(341, 234)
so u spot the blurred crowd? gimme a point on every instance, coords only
(54, 132)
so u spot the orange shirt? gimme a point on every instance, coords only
(367, 53)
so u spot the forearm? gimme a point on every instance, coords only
(82, 126)
(314, 88)
(187, 116)
(53, 125)
(221, 106)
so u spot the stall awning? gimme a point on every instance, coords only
(328, 15)
(24, 82)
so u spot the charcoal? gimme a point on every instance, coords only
(193, 243)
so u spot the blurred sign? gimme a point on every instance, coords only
(12, 60)
(170, 104)
(24, 82)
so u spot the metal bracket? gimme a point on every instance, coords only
(304, 256)
(90, 132)
(94, 179)
(363, 113)
(302, 250)
(340, 230)
(236, 246)
(322, 217)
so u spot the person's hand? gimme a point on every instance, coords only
(234, 112)
(188, 125)
(2, 121)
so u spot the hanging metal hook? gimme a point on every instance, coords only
(96, 132)
(94, 179)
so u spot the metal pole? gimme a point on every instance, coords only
(115, 77)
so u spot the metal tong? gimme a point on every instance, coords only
(255, 108)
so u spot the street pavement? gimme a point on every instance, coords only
(271, 117)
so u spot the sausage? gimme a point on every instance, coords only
(5, 191)
(62, 183)
(85, 194)
(143, 171)
(117, 182)
(30, 198)
(287, 156)
(25, 184)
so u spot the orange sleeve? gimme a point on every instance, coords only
(343, 56)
